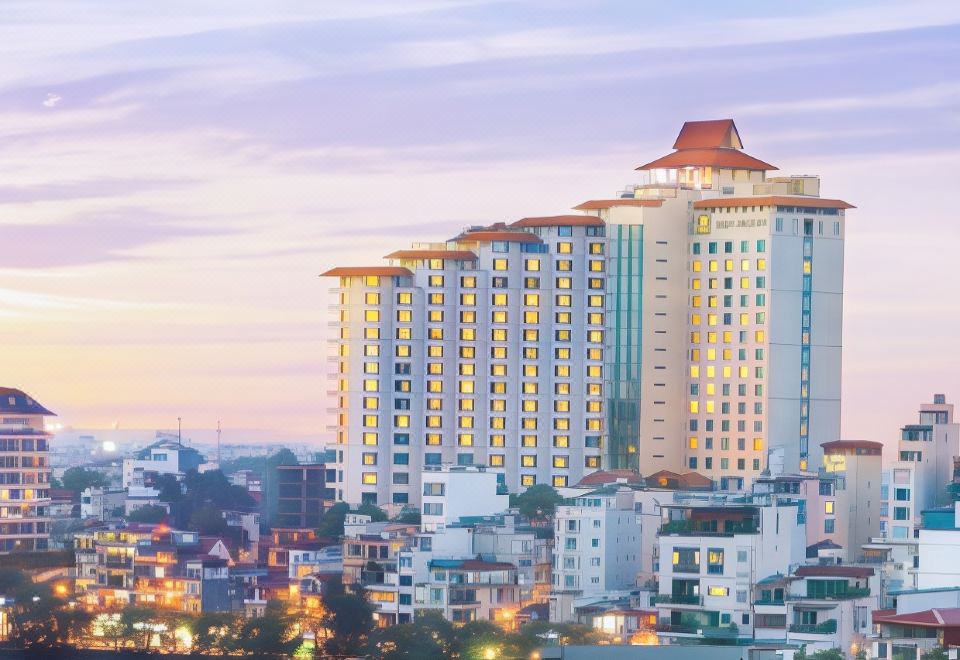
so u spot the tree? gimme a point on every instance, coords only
(376, 513)
(270, 634)
(349, 619)
(935, 653)
(150, 513)
(539, 501)
(429, 637)
(409, 517)
(208, 521)
(827, 654)
(214, 633)
(169, 487)
(78, 479)
(331, 522)
(39, 619)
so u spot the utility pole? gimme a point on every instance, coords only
(179, 432)
(218, 443)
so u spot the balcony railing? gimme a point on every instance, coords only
(714, 632)
(769, 601)
(678, 599)
(851, 592)
(704, 528)
(686, 568)
(828, 627)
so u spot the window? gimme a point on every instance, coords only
(829, 526)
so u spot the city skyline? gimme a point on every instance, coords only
(147, 205)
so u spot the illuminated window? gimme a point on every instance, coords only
(528, 441)
(591, 462)
(498, 316)
(596, 265)
(369, 438)
(694, 407)
(530, 388)
(465, 440)
(531, 317)
(728, 265)
(404, 298)
(594, 371)
(561, 441)
(529, 405)
(498, 440)
(371, 385)
(434, 421)
(369, 458)
(532, 299)
(528, 460)
(498, 370)
(404, 333)
(757, 444)
(500, 264)
(596, 248)
(532, 264)
(761, 264)
(468, 334)
(371, 333)
(533, 335)
(468, 282)
(371, 420)
(718, 591)
(697, 266)
(692, 442)
(467, 387)
(433, 439)
(527, 480)
(369, 478)
(564, 248)
(498, 334)
(499, 299)
(435, 316)
(371, 280)
(563, 300)
(744, 282)
(401, 421)
(468, 299)
(561, 461)
(564, 283)
(828, 507)
(714, 266)
(562, 371)
(496, 460)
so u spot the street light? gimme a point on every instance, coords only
(489, 653)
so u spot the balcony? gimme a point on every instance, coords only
(828, 627)
(706, 632)
(775, 602)
(702, 528)
(686, 567)
(678, 599)
(851, 592)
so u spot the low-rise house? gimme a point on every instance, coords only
(465, 590)
(829, 606)
(912, 635)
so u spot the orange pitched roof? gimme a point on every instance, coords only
(485, 235)
(708, 134)
(560, 221)
(452, 255)
(773, 200)
(360, 271)
(840, 445)
(708, 157)
(609, 203)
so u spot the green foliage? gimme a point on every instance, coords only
(208, 521)
(331, 522)
(429, 637)
(270, 634)
(376, 513)
(409, 517)
(539, 501)
(169, 487)
(37, 618)
(151, 513)
(214, 633)
(936, 653)
(349, 619)
(826, 654)
(78, 479)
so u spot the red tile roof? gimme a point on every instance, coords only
(360, 271)
(486, 235)
(560, 221)
(938, 617)
(724, 158)
(602, 477)
(842, 445)
(834, 571)
(687, 480)
(772, 200)
(708, 134)
(594, 204)
(451, 255)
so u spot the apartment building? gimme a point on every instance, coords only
(597, 546)
(856, 468)
(24, 473)
(484, 350)
(466, 590)
(452, 492)
(713, 550)
(918, 479)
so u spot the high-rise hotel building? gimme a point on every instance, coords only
(484, 350)
(729, 326)
(689, 323)
(24, 473)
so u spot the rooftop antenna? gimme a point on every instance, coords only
(218, 443)
(179, 433)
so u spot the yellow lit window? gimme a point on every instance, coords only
(564, 283)
(743, 372)
(714, 266)
(591, 462)
(711, 388)
(595, 336)
(711, 371)
(468, 282)
(498, 440)
(712, 301)
(828, 506)
(404, 333)
(499, 316)
(596, 248)
(694, 371)
(468, 334)
(530, 388)
(401, 421)
(528, 441)
(757, 444)
(433, 439)
(595, 301)
(371, 280)
(695, 354)
(761, 264)
(718, 591)
(499, 264)
(594, 424)
(563, 300)
(436, 299)
(727, 336)
(712, 337)
(745, 265)
(434, 421)
(711, 319)
(465, 440)
(532, 264)
(695, 337)
(596, 266)
(531, 317)
(530, 370)
(369, 438)
(369, 459)
(371, 298)
(759, 336)
(564, 265)
(369, 478)
(404, 298)
(710, 406)
(371, 402)
(498, 334)
(594, 406)
(697, 266)
(467, 387)
(695, 301)
(371, 420)
(496, 460)
(594, 353)
(595, 319)
(436, 280)
(561, 461)
(711, 354)
(563, 317)
(435, 333)
(744, 282)
(371, 385)
(807, 267)
(468, 299)
(468, 317)
(528, 460)
(530, 352)
(728, 265)
(435, 386)
(531, 299)
(695, 319)
(527, 480)
(562, 370)
(529, 405)
(692, 442)
(435, 316)
(498, 370)
(594, 371)
(727, 372)
(371, 315)
(694, 407)
(402, 350)
(561, 441)
(529, 423)
(695, 285)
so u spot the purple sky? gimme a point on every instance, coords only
(174, 177)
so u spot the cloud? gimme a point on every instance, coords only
(52, 100)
